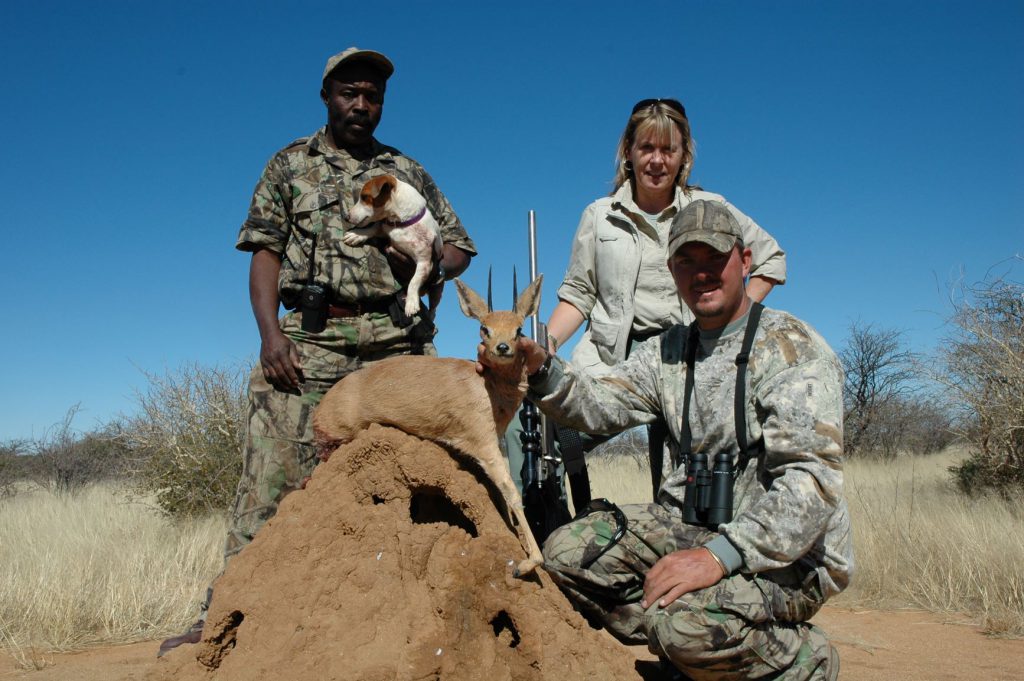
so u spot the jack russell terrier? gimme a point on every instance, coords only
(392, 208)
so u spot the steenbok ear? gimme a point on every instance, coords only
(529, 302)
(473, 306)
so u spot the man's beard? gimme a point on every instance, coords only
(712, 309)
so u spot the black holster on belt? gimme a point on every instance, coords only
(396, 310)
(313, 298)
(313, 305)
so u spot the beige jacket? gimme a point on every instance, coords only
(604, 269)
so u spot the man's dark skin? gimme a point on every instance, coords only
(354, 96)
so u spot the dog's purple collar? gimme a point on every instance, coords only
(411, 221)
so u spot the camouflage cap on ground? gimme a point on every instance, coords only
(354, 54)
(708, 222)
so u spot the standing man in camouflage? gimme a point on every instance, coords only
(299, 208)
(293, 230)
(725, 600)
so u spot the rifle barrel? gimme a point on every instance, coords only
(534, 331)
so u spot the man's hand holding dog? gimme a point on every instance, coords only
(455, 263)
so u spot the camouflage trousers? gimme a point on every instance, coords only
(745, 627)
(278, 453)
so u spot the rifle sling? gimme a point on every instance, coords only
(571, 446)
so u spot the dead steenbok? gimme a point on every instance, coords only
(445, 400)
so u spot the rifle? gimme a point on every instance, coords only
(543, 494)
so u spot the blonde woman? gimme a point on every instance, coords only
(617, 279)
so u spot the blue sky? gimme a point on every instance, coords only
(880, 142)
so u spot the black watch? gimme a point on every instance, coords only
(541, 374)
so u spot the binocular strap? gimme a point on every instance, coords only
(740, 402)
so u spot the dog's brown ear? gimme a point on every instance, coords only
(386, 184)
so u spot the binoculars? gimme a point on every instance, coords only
(707, 498)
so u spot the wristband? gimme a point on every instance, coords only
(725, 570)
(541, 374)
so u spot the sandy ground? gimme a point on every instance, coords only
(874, 646)
(395, 564)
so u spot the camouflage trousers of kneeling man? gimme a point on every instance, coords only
(745, 627)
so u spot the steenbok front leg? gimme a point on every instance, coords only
(498, 473)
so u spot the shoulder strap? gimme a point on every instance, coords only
(740, 404)
(657, 453)
(692, 341)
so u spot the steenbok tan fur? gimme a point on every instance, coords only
(445, 400)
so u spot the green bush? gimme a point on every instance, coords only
(186, 439)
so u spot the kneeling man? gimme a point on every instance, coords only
(750, 534)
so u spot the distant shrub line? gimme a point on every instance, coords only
(183, 445)
(182, 450)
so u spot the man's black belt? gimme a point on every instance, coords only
(381, 305)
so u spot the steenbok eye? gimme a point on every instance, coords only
(485, 332)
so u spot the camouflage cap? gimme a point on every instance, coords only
(708, 222)
(354, 54)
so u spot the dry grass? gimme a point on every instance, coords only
(623, 480)
(918, 542)
(89, 568)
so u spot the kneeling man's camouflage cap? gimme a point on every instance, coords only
(708, 222)
(354, 54)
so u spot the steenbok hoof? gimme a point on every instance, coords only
(527, 567)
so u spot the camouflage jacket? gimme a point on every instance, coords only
(305, 193)
(789, 506)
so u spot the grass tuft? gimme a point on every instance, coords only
(91, 568)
